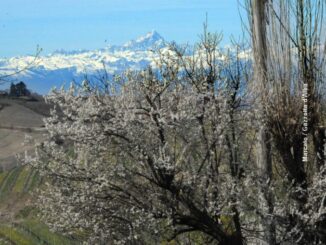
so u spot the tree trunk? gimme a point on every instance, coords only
(264, 160)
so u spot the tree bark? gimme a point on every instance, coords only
(264, 160)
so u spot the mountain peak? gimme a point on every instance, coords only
(151, 40)
(152, 35)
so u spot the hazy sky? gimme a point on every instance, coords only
(91, 24)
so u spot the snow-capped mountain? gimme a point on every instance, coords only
(150, 40)
(62, 66)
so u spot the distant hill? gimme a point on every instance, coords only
(19, 117)
(19, 223)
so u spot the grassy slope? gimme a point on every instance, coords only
(19, 224)
(18, 118)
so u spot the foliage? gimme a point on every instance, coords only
(19, 89)
(144, 155)
(167, 154)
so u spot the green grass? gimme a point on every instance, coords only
(43, 233)
(16, 186)
(33, 182)
(9, 181)
(18, 180)
(16, 237)
(32, 232)
(2, 176)
(21, 180)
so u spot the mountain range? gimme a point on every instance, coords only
(61, 67)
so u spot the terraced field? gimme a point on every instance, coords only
(31, 232)
(18, 181)
(19, 223)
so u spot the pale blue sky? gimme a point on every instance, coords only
(91, 24)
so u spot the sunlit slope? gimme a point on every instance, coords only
(14, 114)
(19, 223)
(18, 118)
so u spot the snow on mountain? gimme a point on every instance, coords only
(63, 66)
(151, 40)
(69, 52)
